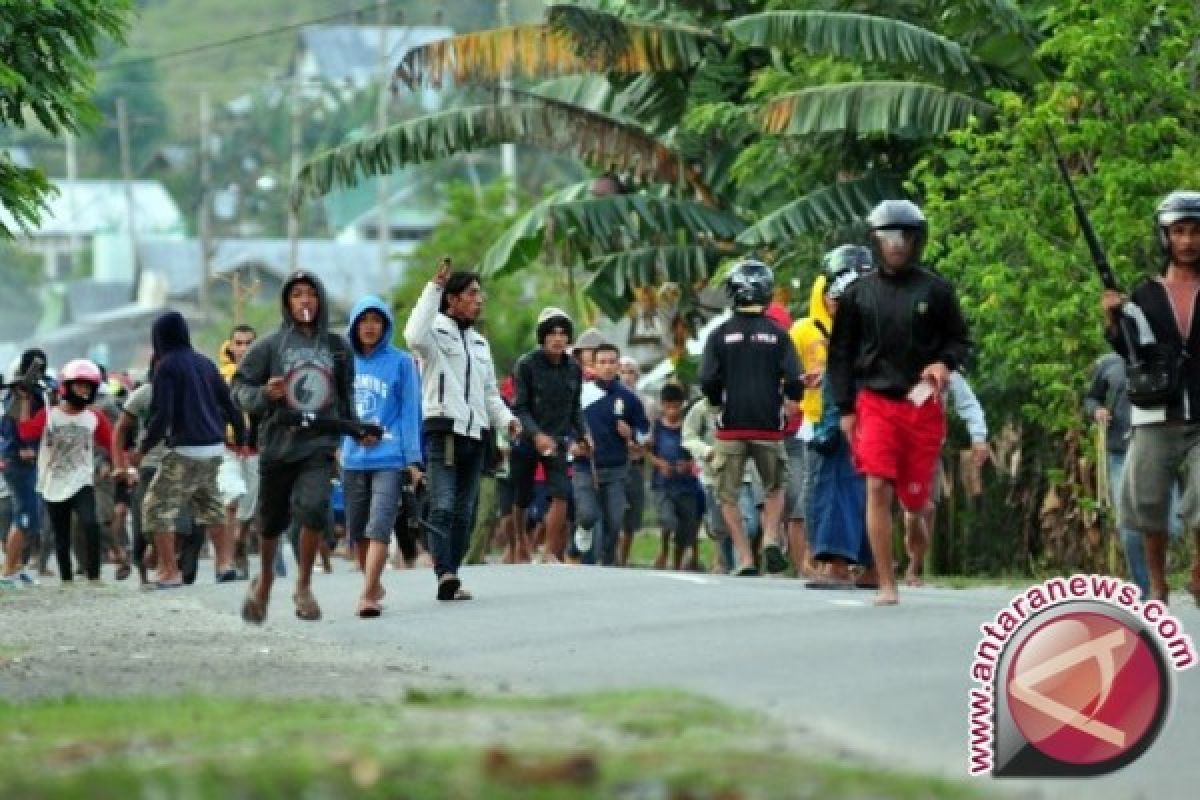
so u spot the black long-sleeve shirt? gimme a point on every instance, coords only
(749, 367)
(888, 328)
(547, 396)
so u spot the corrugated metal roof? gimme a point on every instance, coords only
(88, 207)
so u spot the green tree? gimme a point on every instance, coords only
(1121, 99)
(713, 122)
(46, 78)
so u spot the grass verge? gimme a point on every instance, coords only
(639, 744)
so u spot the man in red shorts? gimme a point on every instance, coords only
(898, 335)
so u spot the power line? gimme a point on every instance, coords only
(246, 37)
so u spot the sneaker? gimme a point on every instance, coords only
(583, 539)
(776, 562)
(27, 578)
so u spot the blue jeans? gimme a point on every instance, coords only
(1131, 540)
(453, 489)
(601, 509)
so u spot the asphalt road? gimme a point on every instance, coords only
(888, 684)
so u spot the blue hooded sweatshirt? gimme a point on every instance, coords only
(387, 391)
(191, 401)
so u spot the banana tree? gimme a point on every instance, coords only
(717, 114)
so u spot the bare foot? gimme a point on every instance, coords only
(911, 578)
(887, 597)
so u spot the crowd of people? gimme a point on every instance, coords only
(793, 450)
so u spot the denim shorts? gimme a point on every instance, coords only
(372, 502)
(26, 505)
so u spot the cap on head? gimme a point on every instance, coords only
(590, 339)
(81, 369)
(1178, 205)
(551, 318)
(751, 283)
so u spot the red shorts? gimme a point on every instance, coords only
(900, 442)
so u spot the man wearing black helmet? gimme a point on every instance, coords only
(751, 376)
(898, 335)
(1165, 447)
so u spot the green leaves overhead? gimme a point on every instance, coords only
(615, 276)
(600, 140)
(895, 108)
(857, 37)
(593, 226)
(826, 208)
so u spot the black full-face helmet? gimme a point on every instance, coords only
(751, 283)
(1178, 205)
(844, 265)
(898, 215)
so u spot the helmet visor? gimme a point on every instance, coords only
(895, 236)
(1168, 218)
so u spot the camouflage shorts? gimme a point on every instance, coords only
(183, 482)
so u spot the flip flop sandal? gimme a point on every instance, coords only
(447, 587)
(748, 571)
(368, 609)
(254, 612)
(123, 571)
(306, 605)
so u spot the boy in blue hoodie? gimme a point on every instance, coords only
(387, 392)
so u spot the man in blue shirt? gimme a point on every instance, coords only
(614, 417)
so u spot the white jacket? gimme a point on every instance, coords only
(458, 377)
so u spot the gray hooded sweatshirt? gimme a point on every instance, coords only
(318, 373)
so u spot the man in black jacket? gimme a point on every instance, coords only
(898, 335)
(548, 386)
(751, 376)
(1166, 436)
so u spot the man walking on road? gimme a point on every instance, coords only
(897, 336)
(238, 477)
(615, 420)
(751, 376)
(1165, 448)
(548, 384)
(299, 381)
(190, 410)
(460, 401)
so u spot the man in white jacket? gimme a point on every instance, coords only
(460, 400)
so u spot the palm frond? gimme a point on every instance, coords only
(857, 37)
(897, 108)
(593, 226)
(602, 141)
(825, 209)
(572, 40)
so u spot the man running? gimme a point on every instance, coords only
(238, 477)
(460, 400)
(898, 335)
(299, 381)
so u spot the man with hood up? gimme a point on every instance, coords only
(298, 380)
(190, 410)
(387, 392)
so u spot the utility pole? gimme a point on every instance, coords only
(384, 228)
(72, 176)
(293, 213)
(204, 224)
(127, 175)
(508, 150)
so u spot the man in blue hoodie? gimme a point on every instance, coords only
(298, 380)
(387, 392)
(615, 418)
(191, 408)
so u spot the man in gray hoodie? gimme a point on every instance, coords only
(299, 381)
